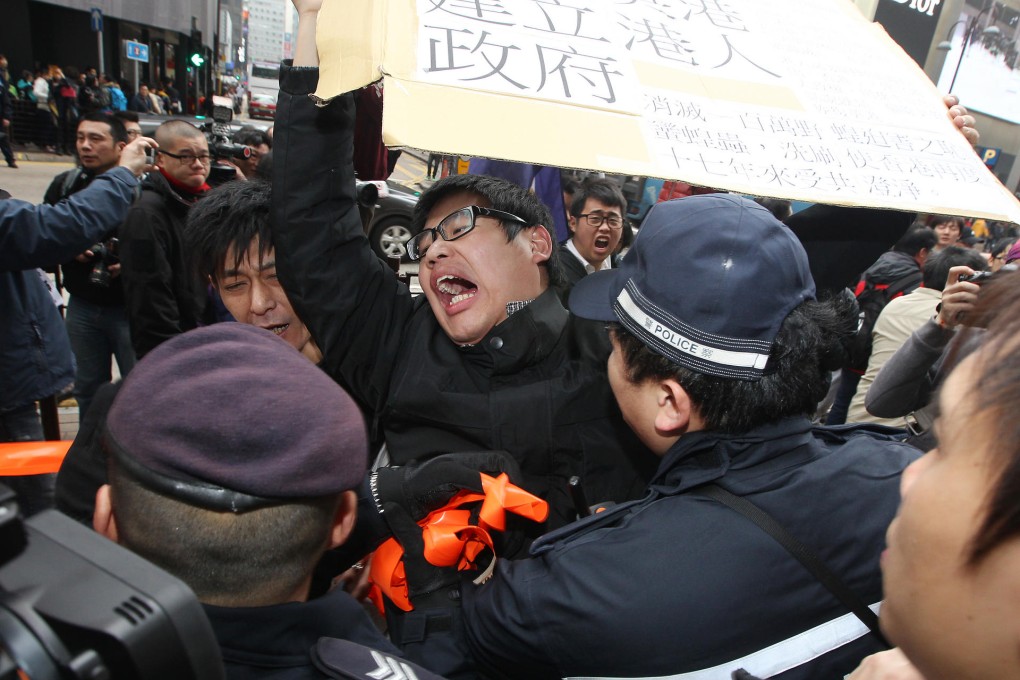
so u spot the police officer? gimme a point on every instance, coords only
(236, 477)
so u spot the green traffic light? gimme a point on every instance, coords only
(197, 59)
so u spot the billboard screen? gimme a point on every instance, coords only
(982, 65)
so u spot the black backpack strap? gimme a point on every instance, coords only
(804, 555)
(66, 189)
(908, 282)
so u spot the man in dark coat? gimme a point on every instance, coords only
(487, 358)
(141, 102)
(6, 114)
(163, 294)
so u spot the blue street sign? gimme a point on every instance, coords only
(97, 19)
(137, 51)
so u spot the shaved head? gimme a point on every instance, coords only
(174, 130)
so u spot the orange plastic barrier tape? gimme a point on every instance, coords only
(450, 537)
(32, 458)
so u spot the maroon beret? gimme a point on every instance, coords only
(231, 417)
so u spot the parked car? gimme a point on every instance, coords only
(390, 227)
(262, 105)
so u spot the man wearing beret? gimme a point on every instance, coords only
(221, 474)
(719, 381)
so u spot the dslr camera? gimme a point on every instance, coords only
(104, 254)
(984, 277)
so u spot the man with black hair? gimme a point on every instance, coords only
(229, 237)
(895, 273)
(596, 226)
(904, 315)
(487, 358)
(229, 243)
(131, 124)
(259, 144)
(97, 322)
(719, 382)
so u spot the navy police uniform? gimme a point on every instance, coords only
(679, 584)
(283, 641)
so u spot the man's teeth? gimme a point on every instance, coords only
(280, 329)
(461, 298)
(446, 285)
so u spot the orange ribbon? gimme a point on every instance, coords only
(450, 537)
(32, 458)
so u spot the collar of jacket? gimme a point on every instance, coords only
(704, 456)
(284, 633)
(157, 181)
(526, 337)
(183, 189)
(700, 458)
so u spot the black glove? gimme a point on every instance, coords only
(421, 487)
(427, 585)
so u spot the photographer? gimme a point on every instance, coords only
(97, 322)
(905, 385)
(258, 142)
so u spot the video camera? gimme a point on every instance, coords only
(74, 604)
(104, 254)
(217, 132)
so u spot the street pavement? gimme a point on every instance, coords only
(30, 179)
(36, 170)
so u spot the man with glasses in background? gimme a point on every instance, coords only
(596, 227)
(131, 124)
(163, 293)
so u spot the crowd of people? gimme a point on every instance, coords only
(43, 106)
(291, 414)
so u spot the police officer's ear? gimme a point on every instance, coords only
(343, 519)
(103, 520)
(541, 244)
(676, 413)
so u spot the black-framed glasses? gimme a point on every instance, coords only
(454, 226)
(596, 219)
(188, 158)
